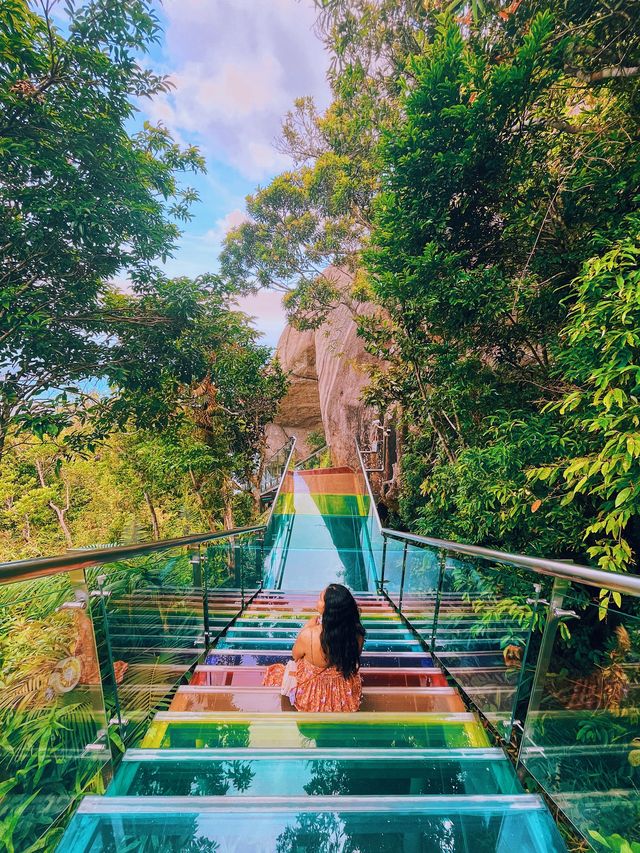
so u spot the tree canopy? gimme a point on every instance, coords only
(160, 381)
(83, 201)
(477, 175)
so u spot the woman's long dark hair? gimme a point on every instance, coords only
(342, 631)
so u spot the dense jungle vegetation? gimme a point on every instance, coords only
(125, 411)
(478, 173)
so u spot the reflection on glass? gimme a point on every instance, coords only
(482, 827)
(149, 621)
(463, 772)
(485, 634)
(582, 737)
(52, 721)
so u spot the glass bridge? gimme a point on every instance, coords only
(143, 726)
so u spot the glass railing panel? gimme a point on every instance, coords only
(483, 634)
(394, 559)
(234, 563)
(275, 467)
(53, 726)
(373, 540)
(150, 627)
(582, 735)
(320, 458)
(420, 588)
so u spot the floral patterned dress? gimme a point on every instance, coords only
(319, 688)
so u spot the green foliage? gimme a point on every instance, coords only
(494, 196)
(84, 200)
(600, 357)
(615, 842)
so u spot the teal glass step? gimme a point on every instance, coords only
(245, 773)
(500, 824)
(364, 730)
(399, 633)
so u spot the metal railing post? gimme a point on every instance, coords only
(442, 558)
(384, 563)
(520, 698)
(205, 596)
(101, 594)
(560, 587)
(404, 566)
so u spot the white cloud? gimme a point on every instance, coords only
(223, 225)
(237, 66)
(267, 309)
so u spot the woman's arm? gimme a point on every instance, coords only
(301, 645)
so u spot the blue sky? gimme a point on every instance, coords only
(237, 66)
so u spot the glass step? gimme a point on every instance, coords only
(399, 633)
(158, 626)
(253, 657)
(163, 644)
(269, 700)
(252, 676)
(303, 605)
(261, 643)
(302, 730)
(280, 595)
(244, 773)
(368, 617)
(264, 621)
(500, 824)
(137, 619)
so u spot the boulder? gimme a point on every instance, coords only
(328, 370)
(299, 413)
(343, 369)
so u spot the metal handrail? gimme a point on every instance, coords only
(555, 568)
(37, 567)
(282, 478)
(291, 441)
(304, 461)
(368, 484)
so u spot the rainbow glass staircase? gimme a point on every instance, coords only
(231, 766)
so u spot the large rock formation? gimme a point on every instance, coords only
(299, 413)
(328, 370)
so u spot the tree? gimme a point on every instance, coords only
(600, 356)
(317, 216)
(81, 200)
(496, 187)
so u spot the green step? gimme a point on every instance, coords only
(389, 730)
(293, 773)
(476, 824)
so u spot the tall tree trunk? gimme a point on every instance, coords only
(60, 511)
(154, 517)
(227, 497)
(206, 512)
(4, 428)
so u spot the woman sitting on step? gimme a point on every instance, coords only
(324, 673)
